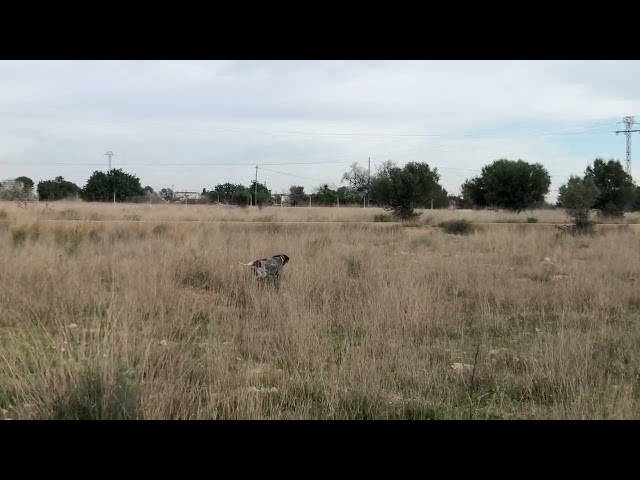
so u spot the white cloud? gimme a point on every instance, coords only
(72, 112)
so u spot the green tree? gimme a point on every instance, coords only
(440, 197)
(263, 196)
(225, 192)
(510, 184)
(57, 189)
(27, 184)
(297, 195)
(635, 205)
(401, 190)
(166, 193)
(615, 185)
(473, 193)
(325, 196)
(348, 197)
(261, 187)
(241, 197)
(101, 187)
(578, 196)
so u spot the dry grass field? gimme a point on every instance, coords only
(80, 211)
(147, 318)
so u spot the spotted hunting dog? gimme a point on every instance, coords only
(268, 267)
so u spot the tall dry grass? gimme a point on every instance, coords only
(81, 211)
(159, 321)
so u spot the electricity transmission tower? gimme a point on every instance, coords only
(628, 122)
(110, 154)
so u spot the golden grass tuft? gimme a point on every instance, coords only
(153, 319)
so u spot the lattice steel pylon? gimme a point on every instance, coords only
(110, 154)
(628, 122)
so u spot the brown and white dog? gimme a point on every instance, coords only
(268, 267)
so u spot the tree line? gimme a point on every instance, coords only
(125, 187)
(514, 185)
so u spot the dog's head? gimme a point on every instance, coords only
(283, 258)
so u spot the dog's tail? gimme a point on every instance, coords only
(246, 264)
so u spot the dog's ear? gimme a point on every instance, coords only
(286, 258)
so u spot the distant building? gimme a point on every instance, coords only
(187, 195)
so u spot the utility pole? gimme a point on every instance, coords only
(110, 154)
(369, 182)
(255, 200)
(628, 122)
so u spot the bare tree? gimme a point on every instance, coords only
(358, 180)
(14, 190)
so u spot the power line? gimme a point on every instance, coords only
(384, 134)
(208, 164)
(433, 166)
(259, 165)
(441, 135)
(177, 164)
(288, 174)
(437, 148)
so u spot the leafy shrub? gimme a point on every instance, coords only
(381, 217)
(458, 227)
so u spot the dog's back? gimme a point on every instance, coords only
(268, 267)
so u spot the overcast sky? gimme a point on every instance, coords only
(61, 117)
